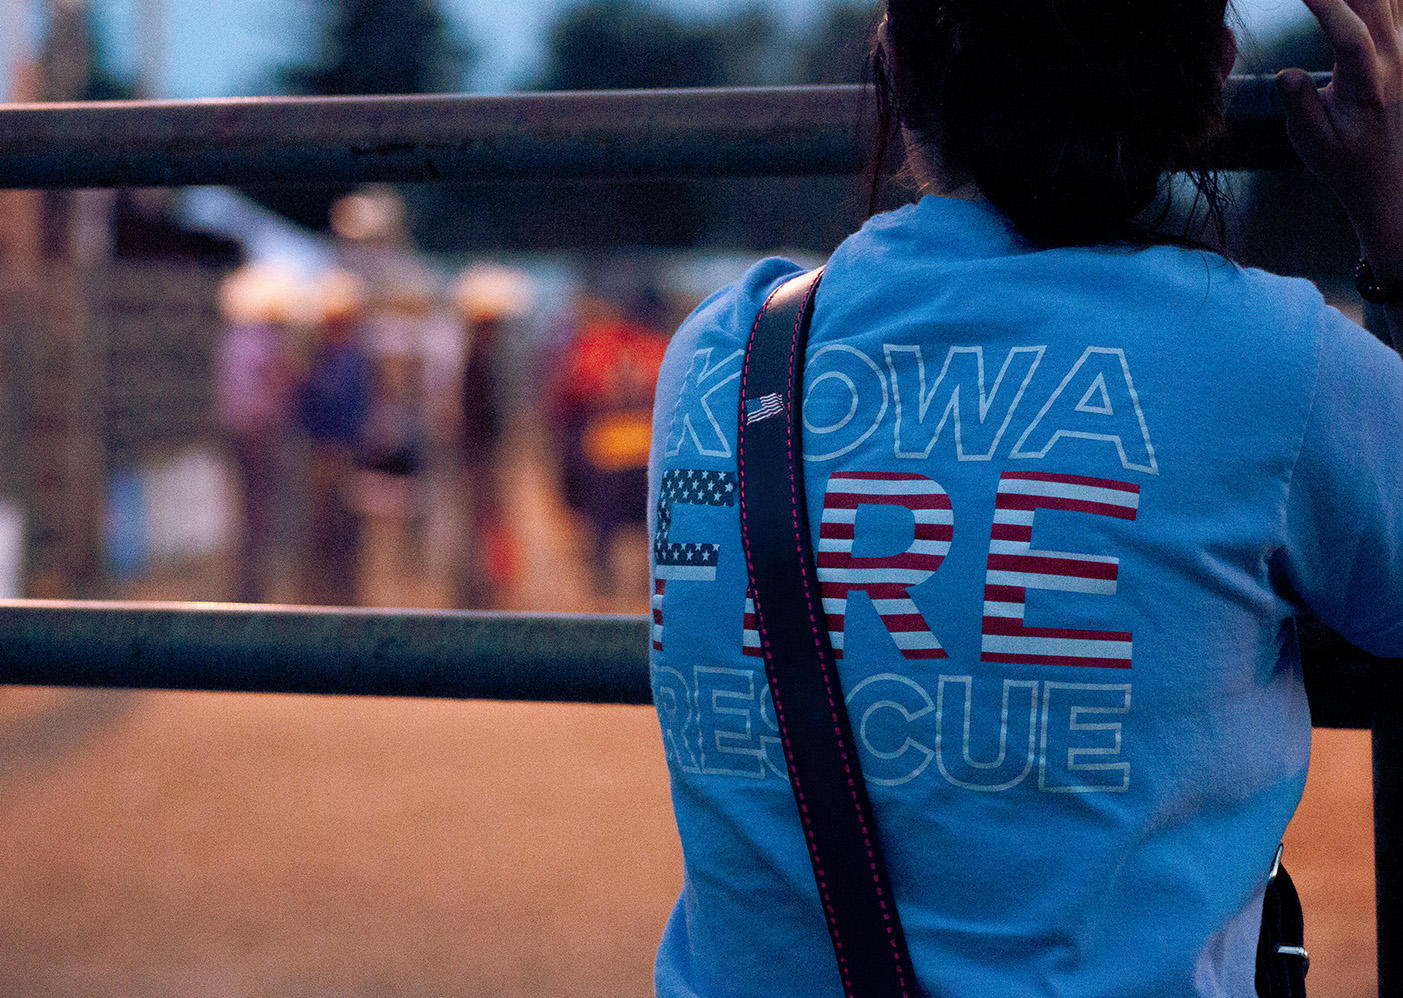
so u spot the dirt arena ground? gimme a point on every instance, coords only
(207, 844)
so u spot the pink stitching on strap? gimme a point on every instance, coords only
(826, 670)
(820, 877)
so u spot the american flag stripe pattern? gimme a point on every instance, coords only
(659, 590)
(763, 407)
(750, 636)
(695, 562)
(1015, 567)
(885, 580)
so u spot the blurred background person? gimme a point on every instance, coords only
(391, 485)
(253, 374)
(489, 298)
(603, 404)
(331, 405)
(372, 236)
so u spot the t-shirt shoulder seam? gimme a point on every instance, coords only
(1318, 344)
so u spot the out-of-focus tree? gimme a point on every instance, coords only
(755, 48)
(370, 47)
(618, 44)
(614, 44)
(623, 44)
(837, 50)
(381, 47)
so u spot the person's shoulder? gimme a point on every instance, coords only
(1290, 322)
(722, 323)
(708, 347)
(1279, 302)
(1293, 306)
(1234, 313)
(727, 315)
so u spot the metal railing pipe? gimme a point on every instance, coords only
(622, 134)
(369, 652)
(424, 653)
(577, 659)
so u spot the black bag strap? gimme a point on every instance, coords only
(1282, 960)
(824, 772)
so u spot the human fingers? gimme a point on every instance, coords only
(1343, 26)
(1381, 18)
(1307, 121)
(1338, 18)
(1356, 71)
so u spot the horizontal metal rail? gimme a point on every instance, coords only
(419, 653)
(280, 649)
(638, 134)
(579, 659)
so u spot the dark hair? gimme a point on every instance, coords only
(1067, 114)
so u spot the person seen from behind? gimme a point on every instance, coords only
(1072, 479)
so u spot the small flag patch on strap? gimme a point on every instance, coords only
(763, 408)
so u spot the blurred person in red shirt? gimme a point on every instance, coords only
(602, 400)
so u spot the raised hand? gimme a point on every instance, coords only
(1350, 134)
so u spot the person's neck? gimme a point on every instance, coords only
(963, 192)
(924, 157)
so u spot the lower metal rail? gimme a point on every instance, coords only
(323, 650)
(547, 657)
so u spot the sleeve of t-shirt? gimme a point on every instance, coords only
(1344, 510)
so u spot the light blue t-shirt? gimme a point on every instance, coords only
(1066, 505)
